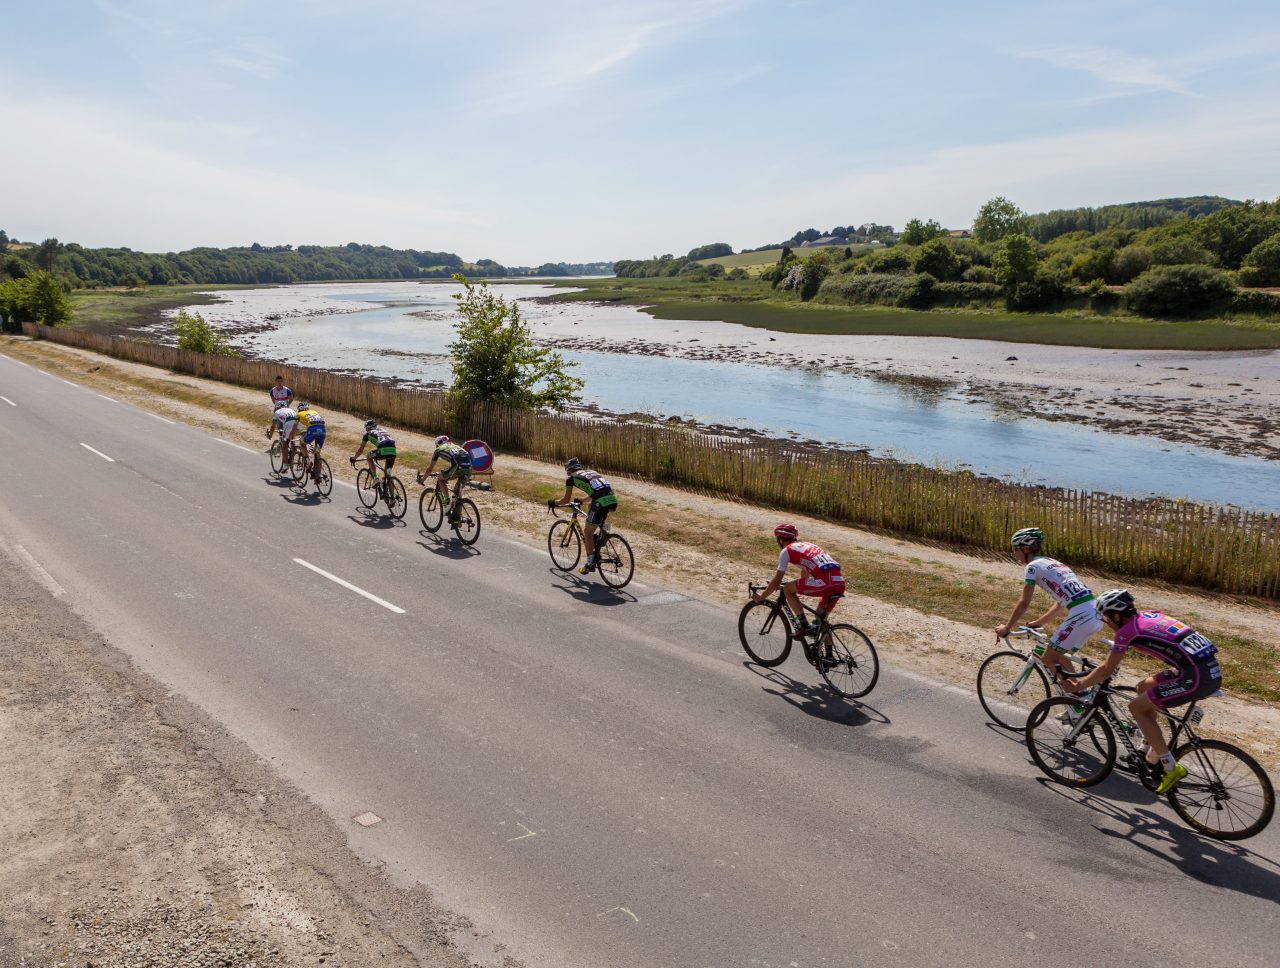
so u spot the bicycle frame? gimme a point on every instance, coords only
(782, 607)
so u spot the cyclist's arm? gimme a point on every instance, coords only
(770, 588)
(1027, 591)
(565, 498)
(1095, 676)
(356, 455)
(1048, 616)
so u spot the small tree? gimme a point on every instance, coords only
(194, 333)
(1177, 290)
(1261, 267)
(997, 219)
(495, 359)
(917, 232)
(46, 299)
(1016, 261)
(936, 258)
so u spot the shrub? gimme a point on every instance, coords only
(1177, 290)
(966, 293)
(1255, 302)
(1101, 298)
(36, 298)
(884, 288)
(737, 274)
(194, 333)
(896, 259)
(1092, 265)
(979, 274)
(936, 258)
(1261, 267)
(1043, 290)
(1129, 263)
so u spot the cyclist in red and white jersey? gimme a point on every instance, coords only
(1070, 596)
(281, 396)
(821, 576)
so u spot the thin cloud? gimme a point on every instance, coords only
(1131, 74)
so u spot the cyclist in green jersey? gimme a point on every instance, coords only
(382, 448)
(603, 501)
(457, 469)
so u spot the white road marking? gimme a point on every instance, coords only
(111, 460)
(8, 401)
(105, 397)
(346, 484)
(350, 587)
(157, 416)
(37, 570)
(524, 836)
(67, 382)
(230, 444)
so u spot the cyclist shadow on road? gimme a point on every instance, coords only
(1218, 863)
(305, 498)
(279, 480)
(591, 592)
(817, 700)
(367, 518)
(447, 547)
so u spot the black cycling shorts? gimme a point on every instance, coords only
(387, 461)
(597, 514)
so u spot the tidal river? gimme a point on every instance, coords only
(402, 330)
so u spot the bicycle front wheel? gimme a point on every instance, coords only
(765, 633)
(565, 545)
(1010, 685)
(277, 456)
(430, 511)
(323, 477)
(615, 562)
(848, 662)
(1073, 747)
(1225, 795)
(365, 489)
(466, 521)
(396, 497)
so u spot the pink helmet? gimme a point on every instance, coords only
(788, 531)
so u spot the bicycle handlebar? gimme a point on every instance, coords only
(1027, 631)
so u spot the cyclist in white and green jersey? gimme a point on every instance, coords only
(1070, 596)
(603, 500)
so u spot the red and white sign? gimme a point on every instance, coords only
(481, 455)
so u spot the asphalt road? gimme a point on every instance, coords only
(595, 779)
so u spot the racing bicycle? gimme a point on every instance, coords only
(282, 454)
(842, 654)
(370, 485)
(308, 467)
(464, 516)
(614, 560)
(1225, 795)
(1011, 682)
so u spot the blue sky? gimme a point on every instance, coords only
(577, 131)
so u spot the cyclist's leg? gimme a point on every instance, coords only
(1143, 709)
(793, 600)
(596, 516)
(1078, 627)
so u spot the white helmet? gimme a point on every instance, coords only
(442, 439)
(1027, 538)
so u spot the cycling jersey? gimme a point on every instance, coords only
(457, 458)
(821, 579)
(309, 419)
(286, 417)
(599, 489)
(383, 444)
(1058, 581)
(1194, 671)
(280, 396)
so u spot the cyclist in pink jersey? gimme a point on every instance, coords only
(821, 576)
(1193, 671)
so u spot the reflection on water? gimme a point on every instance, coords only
(916, 419)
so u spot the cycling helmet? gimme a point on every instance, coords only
(1118, 601)
(304, 406)
(788, 531)
(572, 464)
(370, 424)
(442, 439)
(1026, 538)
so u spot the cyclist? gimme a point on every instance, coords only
(603, 501)
(286, 418)
(281, 396)
(821, 577)
(382, 449)
(1194, 672)
(1069, 595)
(311, 424)
(457, 469)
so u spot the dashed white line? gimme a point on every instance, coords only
(67, 382)
(37, 570)
(111, 460)
(105, 397)
(346, 484)
(350, 587)
(236, 446)
(8, 401)
(157, 416)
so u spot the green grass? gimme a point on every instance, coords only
(753, 303)
(114, 310)
(769, 256)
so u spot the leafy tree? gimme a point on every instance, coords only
(713, 250)
(1232, 233)
(918, 233)
(4, 241)
(1092, 265)
(737, 274)
(495, 359)
(1129, 263)
(1261, 267)
(997, 219)
(1015, 261)
(1177, 290)
(194, 333)
(36, 298)
(45, 254)
(131, 280)
(936, 258)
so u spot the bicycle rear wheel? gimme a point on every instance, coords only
(466, 521)
(396, 497)
(323, 477)
(430, 510)
(615, 562)
(848, 662)
(365, 489)
(565, 545)
(277, 456)
(1010, 685)
(765, 633)
(298, 466)
(1070, 753)
(1225, 795)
